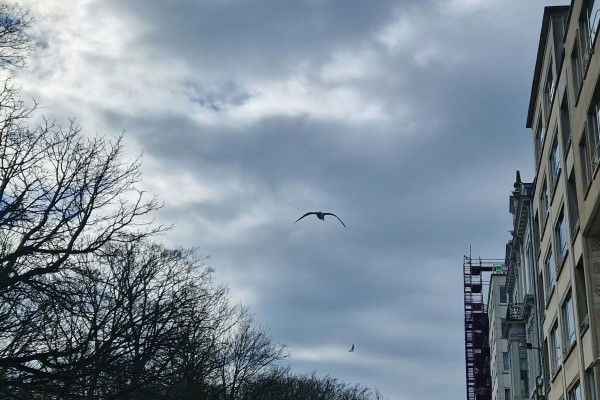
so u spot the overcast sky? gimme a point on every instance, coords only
(406, 118)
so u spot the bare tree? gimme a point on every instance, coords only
(115, 329)
(63, 198)
(15, 43)
(90, 308)
(159, 290)
(63, 194)
(247, 353)
(196, 362)
(306, 387)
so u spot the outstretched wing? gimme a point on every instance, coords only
(336, 217)
(308, 213)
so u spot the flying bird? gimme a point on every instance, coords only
(320, 215)
(351, 349)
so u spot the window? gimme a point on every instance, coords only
(550, 271)
(546, 361)
(531, 267)
(574, 392)
(507, 394)
(505, 361)
(543, 294)
(560, 239)
(565, 124)
(590, 385)
(594, 132)
(540, 133)
(588, 21)
(584, 34)
(577, 67)
(523, 374)
(582, 307)
(572, 206)
(503, 295)
(555, 353)
(594, 17)
(554, 161)
(549, 89)
(568, 323)
(544, 210)
(586, 163)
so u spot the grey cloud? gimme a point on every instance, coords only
(267, 30)
(415, 187)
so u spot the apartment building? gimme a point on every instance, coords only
(499, 356)
(564, 115)
(522, 318)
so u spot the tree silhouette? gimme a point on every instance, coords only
(90, 306)
(15, 44)
(247, 354)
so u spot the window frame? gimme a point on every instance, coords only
(577, 67)
(565, 125)
(569, 330)
(573, 212)
(502, 294)
(544, 206)
(561, 240)
(549, 88)
(586, 160)
(555, 348)
(593, 136)
(585, 39)
(540, 135)
(555, 164)
(549, 272)
(590, 19)
(575, 388)
(505, 361)
(591, 392)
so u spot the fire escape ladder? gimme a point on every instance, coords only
(477, 350)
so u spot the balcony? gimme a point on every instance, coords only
(513, 324)
(514, 312)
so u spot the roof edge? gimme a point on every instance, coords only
(548, 11)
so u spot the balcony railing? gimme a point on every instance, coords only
(514, 312)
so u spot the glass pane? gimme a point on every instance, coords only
(594, 18)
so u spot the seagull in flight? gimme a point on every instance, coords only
(351, 349)
(321, 215)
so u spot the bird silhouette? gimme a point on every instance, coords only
(321, 215)
(351, 349)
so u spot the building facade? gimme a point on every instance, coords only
(499, 356)
(522, 319)
(564, 116)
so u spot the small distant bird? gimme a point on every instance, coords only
(351, 349)
(320, 215)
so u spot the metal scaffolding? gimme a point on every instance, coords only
(477, 347)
